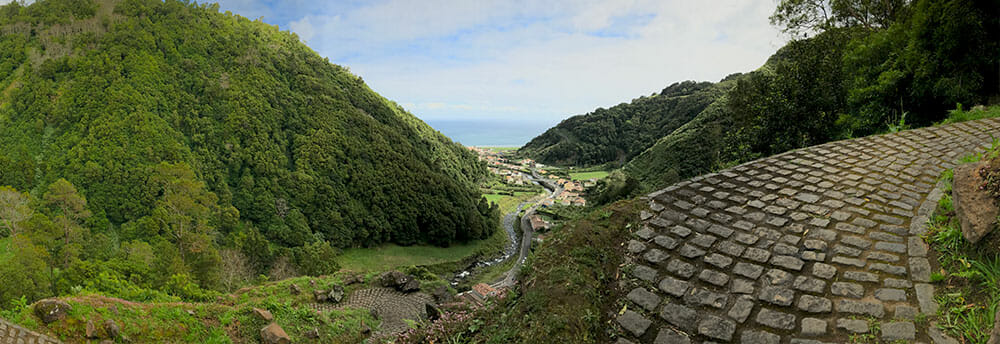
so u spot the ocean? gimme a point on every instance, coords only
(491, 132)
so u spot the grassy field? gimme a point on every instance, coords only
(588, 175)
(494, 198)
(389, 256)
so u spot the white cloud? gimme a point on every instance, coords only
(532, 59)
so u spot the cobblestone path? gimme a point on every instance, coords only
(388, 305)
(13, 334)
(801, 247)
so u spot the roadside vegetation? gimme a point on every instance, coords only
(566, 293)
(968, 289)
(230, 319)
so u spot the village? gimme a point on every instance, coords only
(519, 173)
(524, 178)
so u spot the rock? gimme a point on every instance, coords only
(410, 286)
(336, 294)
(393, 279)
(91, 330)
(294, 289)
(263, 314)
(51, 310)
(321, 295)
(433, 312)
(399, 281)
(274, 334)
(312, 334)
(111, 327)
(975, 208)
(441, 295)
(995, 335)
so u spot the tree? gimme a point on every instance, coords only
(185, 208)
(70, 209)
(24, 274)
(14, 208)
(236, 270)
(802, 17)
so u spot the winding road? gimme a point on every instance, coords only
(510, 278)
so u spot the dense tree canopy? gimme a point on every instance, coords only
(168, 127)
(617, 134)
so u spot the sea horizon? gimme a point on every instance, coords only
(489, 132)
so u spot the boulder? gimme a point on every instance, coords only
(399, 281)
(975, 208)
(51, 310)
(111, 327)
(294, 289)
(336, 294)
(393, 279)
(321, 295)
(91, 330)
(263, 314)
(274, 334)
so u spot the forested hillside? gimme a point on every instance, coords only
(618, 134)
(853, 68)
(157, 141)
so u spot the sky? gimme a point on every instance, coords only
(534, 62)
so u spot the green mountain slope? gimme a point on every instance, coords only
(102, 93)
(618, 134)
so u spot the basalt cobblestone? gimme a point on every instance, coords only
(13, 334)
(797, 247)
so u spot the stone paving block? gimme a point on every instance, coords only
(873, 309)
(680, 316)
(669, 336)
(673, 286)
(853, 325)
(775, 319)
(814, 304)
(644, 273)
(715, 327)
(903, 330)
(920, 269)
(634, 322)
(890, 294)
(860, 276)
(713, 277)
(720, 261)
(644, 298)
(824, 271)
(812, 327)
(705, 297)
(925, 298)
(748, 270)
(759, 337)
